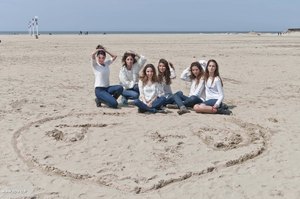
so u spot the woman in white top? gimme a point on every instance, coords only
(214, 93)
(195, 75)
(149, 100)
(104, 92)
(166, 73)
(129, 75)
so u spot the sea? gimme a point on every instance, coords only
(128, 32)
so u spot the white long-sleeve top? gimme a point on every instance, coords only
(196, 89)
(214, 90)
(203, 64)
(148, 91)
(101, 72)
(172, 73)
(165, 90)
(128, 78)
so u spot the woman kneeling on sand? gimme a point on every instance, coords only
(104, 92)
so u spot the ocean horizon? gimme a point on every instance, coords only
(128, 32)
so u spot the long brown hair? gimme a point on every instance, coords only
(144, 77)
(166, 75)
(192, 76)
(216, 73)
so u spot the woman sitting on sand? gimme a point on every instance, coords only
(129, 75)
(214, 94)
(104, 92)
(166, 73)
(149, 90)
(195, 75)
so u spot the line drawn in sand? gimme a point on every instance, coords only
(117, 154)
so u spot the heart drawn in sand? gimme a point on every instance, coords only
(136, 156)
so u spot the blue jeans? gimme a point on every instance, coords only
(131, 93)
(169, 100)
(211, 102)
(158, 102)
(109, 95)
(182, 100)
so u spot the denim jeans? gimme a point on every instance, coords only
(109, 95)
(169, 100)
(158, 102)
(182, 100)
(132, 93)
(211, 102)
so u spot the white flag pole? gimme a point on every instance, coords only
(32, 27)
(29, 27)
(36, 25)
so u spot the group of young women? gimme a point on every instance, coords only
(151, 92)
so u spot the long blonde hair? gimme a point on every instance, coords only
(144, 77)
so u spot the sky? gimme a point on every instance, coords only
(151, 15)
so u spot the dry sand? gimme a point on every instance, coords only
(55, 143)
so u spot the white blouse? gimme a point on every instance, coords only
(128, 78)
(214, 90)
(148, 91)
(101, 73)
(195, 89)
(165, 90)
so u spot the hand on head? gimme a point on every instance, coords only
(100, 47)
(132, 52)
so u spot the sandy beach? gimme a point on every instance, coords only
(55, 142)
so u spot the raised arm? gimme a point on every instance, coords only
(95, 53)
(185, 75)
(203, 64)
(172, 71)
(141, 60)
(113, 56)
(101, 48)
